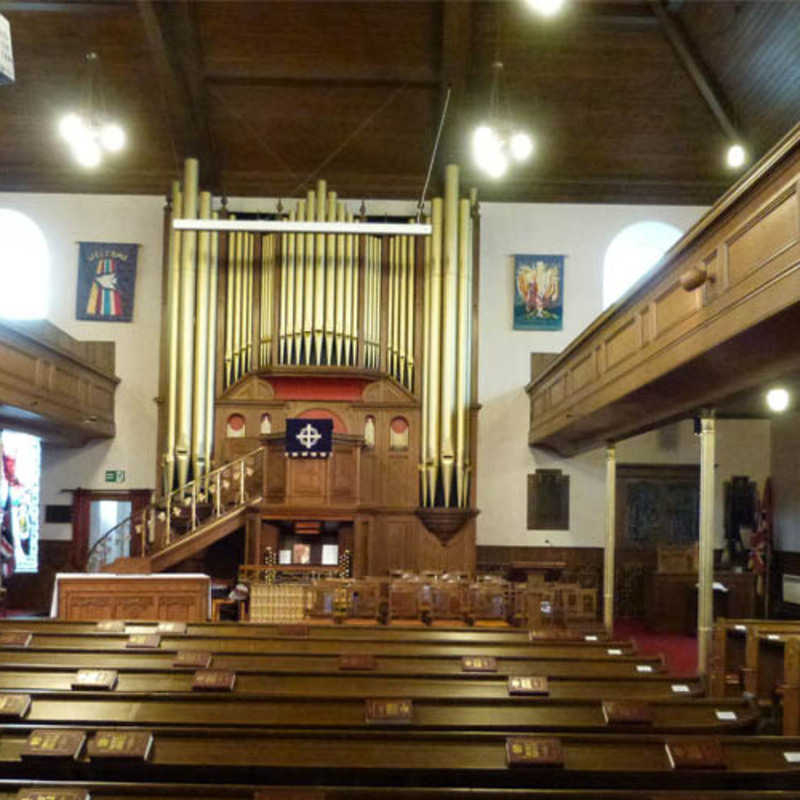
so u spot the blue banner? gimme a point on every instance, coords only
(309, 438)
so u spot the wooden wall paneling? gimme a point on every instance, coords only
(344, 477)
(307, 481)
(363, 546)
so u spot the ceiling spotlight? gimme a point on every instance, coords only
(736, 156)
(777, 400)
(87, 153)
(521, 146)
(112, 137)
(547, 8)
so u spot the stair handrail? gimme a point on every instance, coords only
(188, 495)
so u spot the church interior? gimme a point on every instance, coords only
(421, 376)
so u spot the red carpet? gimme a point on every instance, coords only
(679, 651)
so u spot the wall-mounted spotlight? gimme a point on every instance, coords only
(777, 399)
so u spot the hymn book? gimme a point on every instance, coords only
(528, 685)
(214, 680)
(120, 744)
(695, 754)
(173, 628)
(394, 711)
(111, 626)
(193, 659)
(14, 706)
(623, 712)
(529, 751)
(15, 638)
(54, 744)
(479, 664)
(148, 641)
(95, 679)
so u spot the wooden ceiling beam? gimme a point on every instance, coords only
(700, 74)
(178, 74)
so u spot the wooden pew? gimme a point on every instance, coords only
(432, 759)
(365, 684)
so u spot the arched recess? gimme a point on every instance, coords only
(324, 413)
(235, 427)
(398, 434)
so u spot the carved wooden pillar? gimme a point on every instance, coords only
(705, 596)
(608, 564)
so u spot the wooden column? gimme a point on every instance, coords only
(705, 592)
(608, 564)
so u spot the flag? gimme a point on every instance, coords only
(309, 438)
(761, 540)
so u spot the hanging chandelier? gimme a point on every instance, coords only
(91, 132)
(497, 142)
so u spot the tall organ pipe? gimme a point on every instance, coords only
(319, 276)
(340, 329)
(403, 307)
(201, 334)
(332, 301)
(308, 311)
(186, 325)
(425, 498)
(351, 308)
(299, 288)
(463, 356)
(211, 357)
(434, 348)
(173, 299)
(411, 246)
(230, 301)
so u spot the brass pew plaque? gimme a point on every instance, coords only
(529, 751)
(193, 659)
(393, 711)
(120, 744)
(54, 744)
(145, 641)
(14, 706)
(528, 685)
(214, 680)
(95, 679)
(694, 754)
(479, 664)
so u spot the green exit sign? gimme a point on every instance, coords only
(115, 476)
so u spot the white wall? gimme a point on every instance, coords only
(65, 220)
(582, 233)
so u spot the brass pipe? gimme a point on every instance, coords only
(402, 252)
(463, 351)
(284, 298)
(211, 358)
(352, 260)
(173, 299)
(308, 313)
(425, 499)
(183, 439)
(390, 322)
(319, 276)
(342, 295)
(249, 304)
(368, 296)
(299, 294)
(378, 279)
(201, 334)
(411, 244)
(237, 305)
(331, 271)
(288, 349)
(434, 347)
(351, 295)
(264, 322)
(230, 302)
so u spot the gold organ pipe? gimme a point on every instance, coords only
(411, 244)
(449, 326)
(173, 300)
(376, 331)
(230, 301)
(319, 275)
(237, 306)
(403, 306)
(308, 310)
(251, 272)
(434, 348)
(244, 335)
(391, 345)
(283, 312)
(332, 300)
(425, 498)
(186, 325)
(211, 358)
(264, 317)
(370, 243)
(201, 334)
(463, 352)
(342, 295)
(299, 292)
(351, 294)
(366, 258)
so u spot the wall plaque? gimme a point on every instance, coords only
(528, 751)
(548, 500)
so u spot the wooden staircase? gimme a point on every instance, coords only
(188, 520)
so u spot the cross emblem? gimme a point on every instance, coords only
(309, 436)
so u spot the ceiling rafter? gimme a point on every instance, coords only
(178, 67)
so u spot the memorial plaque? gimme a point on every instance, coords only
(193, 659)
(695, 754)
(54, 744)
(172, 628)
(95, 679)
(15, 638)
(120, 744)
(478, 664)
(144, 641)
(14, 706)
(528, 685)
(111, 626)
(529, 751)
(214, 680)
(55, 793)
(357, 661)
(392, 710)
(293, 630)
(622, 712)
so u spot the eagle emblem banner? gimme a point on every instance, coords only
(309, 438)
(106, 281)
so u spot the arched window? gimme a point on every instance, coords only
(631, 253)
(24, 267)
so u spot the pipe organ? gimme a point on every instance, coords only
(373, 330)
